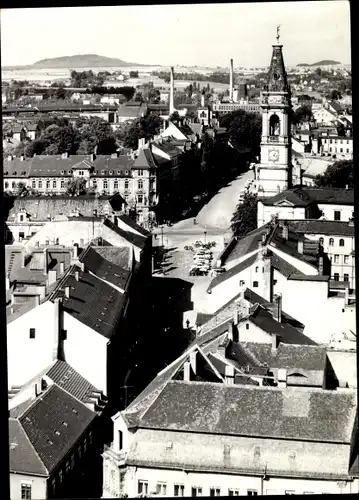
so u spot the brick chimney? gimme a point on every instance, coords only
(300, 247)
(231, 80)
(285, 231)
(67, 291)
(230, 331)
(282, 377)
(277, 310)
(193, 361)
(187, 371)
(45, 260)
(229, 374)
(172, 91)
(62, 267)
(52, 277)
(274, 343)
(8, 281)
(77, 275)
(76, 250)
(57, 327)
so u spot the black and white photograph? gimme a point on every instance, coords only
(179, 250)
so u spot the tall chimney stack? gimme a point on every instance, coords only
(57, 328)
(172, 92)
(231, 81)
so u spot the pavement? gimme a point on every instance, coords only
(213, 224)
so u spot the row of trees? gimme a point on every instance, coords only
(85, 78)
(244, 129)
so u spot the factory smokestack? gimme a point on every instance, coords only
(231, 81)
(172, 92)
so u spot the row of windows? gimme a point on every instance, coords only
(331, 241)
(336, 277)
(196, 491)
(54, 184)
(336, 141)
(335, 150)
(336, 259)
(70, 463)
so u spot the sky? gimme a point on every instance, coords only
(171, 35)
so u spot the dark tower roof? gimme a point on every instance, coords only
(277, 76)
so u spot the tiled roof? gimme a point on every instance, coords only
(297, 197)
(56, 166)
(23, 457)
(233, 271)
(44, 426)
(303, 357)
(92, 302)
(62, 374)
(287, 413)
(40, 207)
(305, 277)
(302, 197)
(167, 148)
(132, 224)
(97, 264)
(326, 227)
(135, 239)
(245, 245)
(121, 256)
(285, 332)
(283, 266)
(144, 159)
(290, 246)
(131, 110)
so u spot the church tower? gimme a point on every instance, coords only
(275, 169)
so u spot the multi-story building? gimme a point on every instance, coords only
(204, 400)
(338, 242)
(275, 259)
(228, 107)
(54, 435)
(333, 204)
(337, 146)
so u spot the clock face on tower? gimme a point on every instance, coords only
(273, 155)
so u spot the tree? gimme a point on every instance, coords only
(35, 147)
(244, 219)
(244, 129)
(145, 127)
(58, 140)
(338, 175)
(334, 95)
(302, 115)
(76, 186)
(22, 189)
(133, 74)
(128, 92)
(96, 133)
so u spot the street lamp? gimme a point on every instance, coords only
(205, 235)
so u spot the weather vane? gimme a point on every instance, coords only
(278, 28)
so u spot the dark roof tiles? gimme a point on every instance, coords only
(239, 410)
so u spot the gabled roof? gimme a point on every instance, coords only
(132, 224)
(135, 239)
(291, 414)
(43, 425)
(144, 160)
(91, 301)
(102, 268)
(284, 331)
(233, 271)
(302, 197)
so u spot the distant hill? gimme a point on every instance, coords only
(325, 62)
(82, 61)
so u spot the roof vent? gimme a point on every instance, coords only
(74, 411)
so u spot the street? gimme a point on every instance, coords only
(212, 224)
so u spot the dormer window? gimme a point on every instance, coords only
(126, 172)
(118, 172)
(102, 172)
(111, 172)
(62, 172)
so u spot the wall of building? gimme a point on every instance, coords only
(253, 333)
(265, 213)
(38, 486)
(27, 357)
(342, 260)
(299, 264)
(346, 211)
(342, 147)
(86, 351)
(23, 230)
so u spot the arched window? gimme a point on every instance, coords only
(331, 241)
(341, 242)
(274, 125)
(321, 241)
